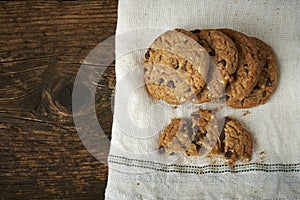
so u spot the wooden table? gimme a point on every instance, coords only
(42, 45)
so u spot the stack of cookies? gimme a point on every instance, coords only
(211, 65)
(226, 65)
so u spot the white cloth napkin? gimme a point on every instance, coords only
(137, 171)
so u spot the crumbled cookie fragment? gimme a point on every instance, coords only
(246, 112)
(262, 156)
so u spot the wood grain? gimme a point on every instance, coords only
(42, 45)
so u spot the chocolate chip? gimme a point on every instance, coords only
(228, 154)
(196, 129)
(187, 153)
(202, 43)
(256, 87)
(147, 54)
(226, 119)
(177, 66)
(196, 31)
(223, 62)
(269, 82)
(183, 68)
(266, 66)
(171, 154)
(222, 135)
(161, 150)
(212, 53)
(161, 80)
(174, 62)
(195, 115)
(264, 93)
(171, 84)
(224, 98)
(198, 137)
(145, 70)
(247, 70)
(245, 65)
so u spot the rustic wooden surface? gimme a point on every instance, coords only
(42, 45)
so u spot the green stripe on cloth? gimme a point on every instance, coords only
(276, 167)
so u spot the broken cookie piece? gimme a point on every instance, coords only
(237, 143)
(176, 138)
(232, 144)
(205, 130)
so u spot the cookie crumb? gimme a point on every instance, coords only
(174, 107)
(262, 156)
(246, 112)
(138, 183)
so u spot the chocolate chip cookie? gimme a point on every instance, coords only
(247, 74)
(167, 83)
(235, 142)
(176, 138)
(267, 81)
(224, 55)
(174, 52)
(221, 49)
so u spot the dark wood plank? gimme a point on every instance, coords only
(42, 45)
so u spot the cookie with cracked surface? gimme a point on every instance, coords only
(247, 73)
(224, 54)
(176, 138)
(222, 50)
(177, 52)
(235, 142)
(267, 81)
